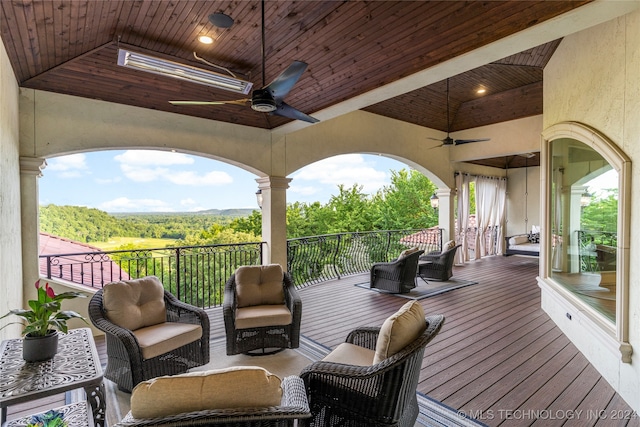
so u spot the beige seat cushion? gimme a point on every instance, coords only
(237, 387)
(164, 337)
(259, 285)
(399, 330)
(262, 315)
(134, 304)
(351, 354)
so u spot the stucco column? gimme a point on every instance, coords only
(30, 171)
(274, 218)
(446, 198)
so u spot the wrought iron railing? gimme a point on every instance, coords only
(597, 250)
(197, 274)
(194, 274)
(319, 258)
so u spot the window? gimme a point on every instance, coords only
(586, 225)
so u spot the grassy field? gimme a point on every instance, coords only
(116, 243)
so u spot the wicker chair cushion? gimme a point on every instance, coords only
(236, 387)
(259, 285)
(399, 330)
(134, 304)
(258, 316)
(408, 252)
(351, 354)
(165, 337)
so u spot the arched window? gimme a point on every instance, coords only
(585, 246)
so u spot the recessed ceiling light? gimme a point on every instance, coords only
(205, 39)
(481, 91)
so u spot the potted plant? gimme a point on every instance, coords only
(43, 321)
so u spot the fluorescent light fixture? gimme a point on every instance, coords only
(187, 73)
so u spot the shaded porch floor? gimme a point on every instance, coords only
(498, 358)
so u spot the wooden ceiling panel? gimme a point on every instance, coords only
(69, 46)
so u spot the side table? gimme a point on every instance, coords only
(76, 365)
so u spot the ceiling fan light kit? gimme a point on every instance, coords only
(163, 67)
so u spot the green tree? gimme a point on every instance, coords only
(601, 214)
(406, 202)
(351, 210)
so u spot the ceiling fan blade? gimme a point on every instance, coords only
(286, 110)
(436, 146)
(236, 102)
(436, 139)
(281, 86)
(467, 141)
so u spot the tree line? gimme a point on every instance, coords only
(404, 204)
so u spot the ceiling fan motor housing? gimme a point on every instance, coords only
(263, 101)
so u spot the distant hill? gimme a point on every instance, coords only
(239, 212)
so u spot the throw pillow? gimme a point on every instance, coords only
(399, 330)
(259, 285)
(236, 387)
(448, 245)
(134, 304)
(408, 252)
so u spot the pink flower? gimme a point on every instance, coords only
(37, 284)
(50, 292)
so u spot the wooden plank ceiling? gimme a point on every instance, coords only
(352, 47)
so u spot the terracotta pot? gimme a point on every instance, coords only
(38, 348)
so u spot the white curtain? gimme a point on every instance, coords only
(462, 221)
(490, 207)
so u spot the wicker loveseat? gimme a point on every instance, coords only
(356, 386)
(149, 332)
(262, 310)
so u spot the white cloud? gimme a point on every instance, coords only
(188, 202)
(140, 174)
(156, 158)
(347, 169)
(212, 178)
(71, 166)
(124, 204)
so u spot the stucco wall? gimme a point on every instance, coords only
(593, 79)
(10, 234)
(523, 207)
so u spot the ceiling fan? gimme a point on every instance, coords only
(450, 141)
(269, 99)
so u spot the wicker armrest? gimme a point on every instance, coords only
(366, 337)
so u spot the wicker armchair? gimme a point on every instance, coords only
(126, 363)
(293, 406)
(397, 276)
(383, 394)
(266, 326)
(439, 265)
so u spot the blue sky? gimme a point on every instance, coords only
(159, 181)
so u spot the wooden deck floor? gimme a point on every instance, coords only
(498, 358)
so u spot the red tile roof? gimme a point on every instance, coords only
(79, 268)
